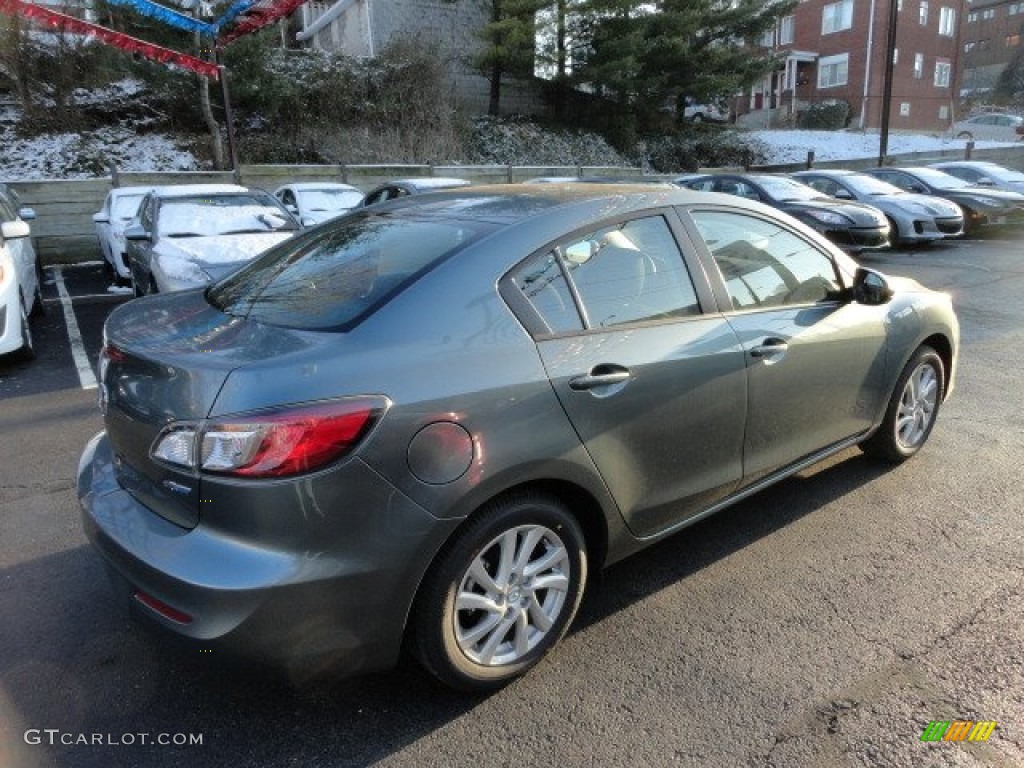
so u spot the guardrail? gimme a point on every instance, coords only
(64, 233)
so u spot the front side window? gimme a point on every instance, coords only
(627, 273)
(764, 265)
(331, 279)
(836, 17)
(833, 70)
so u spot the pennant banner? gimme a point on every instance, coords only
(110, 37)
(259, 15)
(168, 16)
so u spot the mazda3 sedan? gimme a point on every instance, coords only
(913, 218)
(849, 224)
(425, 424)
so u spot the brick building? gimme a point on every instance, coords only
(835, 50)
(990, 36)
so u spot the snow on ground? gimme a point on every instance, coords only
(792, 146)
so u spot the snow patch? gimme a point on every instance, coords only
(792, 146)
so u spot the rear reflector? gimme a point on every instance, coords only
(172, 614)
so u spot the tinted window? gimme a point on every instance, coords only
(764, 265)
(331, 279)
(629, 273)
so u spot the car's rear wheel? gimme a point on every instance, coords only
(965, 135)
(502, 594)
(912, 410)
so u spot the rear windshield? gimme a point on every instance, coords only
(333, 277)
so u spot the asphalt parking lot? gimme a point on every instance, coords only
(824, 622)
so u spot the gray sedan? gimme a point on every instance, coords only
(425, 424)
(913, 218)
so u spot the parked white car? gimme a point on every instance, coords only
(117, 212)
(713, 112)
(991, 126)
(19, 279)
(190, 235)
(317, 202)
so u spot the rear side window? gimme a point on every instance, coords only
(332, 278)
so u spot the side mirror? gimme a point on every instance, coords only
(26, 213)
(292, 209)
(98, 218)
(308, 221)
(984, 181)
(13, 230)
(871, 288)
(136, 232)
(843, 194)
(919, 188)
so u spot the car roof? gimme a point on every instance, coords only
(826, 172)
(965, 163)
(119, 191)
(510, 203)
(429, 182)
(190, 190)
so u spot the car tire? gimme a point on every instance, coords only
(894, 232)
(698, 118)
(501, 594)
(38, 308)
(912, 410)
(27, 350)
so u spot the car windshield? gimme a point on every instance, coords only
(863, 184)
(126, 206)
(940, 180)
(330, 199)
(331, 279)
(787, 189)
(212, 215)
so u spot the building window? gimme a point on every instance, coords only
(904, 109)
(768, 39)
(895, 55)
(922, 12)
(972, 17)
(1014, 9)
(1012, 41)
(989, 13)
(968, 47)
(942, 73)
(983, 45)
(918, 65)
(944, 112)
(837, 16)
(786, 30)
(947, 22)
(832, 70)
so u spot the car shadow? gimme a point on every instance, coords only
(75, 662)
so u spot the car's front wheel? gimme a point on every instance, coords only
(27, 351)
(501, 594)
(912, 410)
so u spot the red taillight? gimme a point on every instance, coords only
(178, 617)
(290, 441)
(113, 354)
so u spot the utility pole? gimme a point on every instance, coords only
(890, 49)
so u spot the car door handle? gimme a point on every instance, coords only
(600, 376)
(769, 347)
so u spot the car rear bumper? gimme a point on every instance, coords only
(304, 608)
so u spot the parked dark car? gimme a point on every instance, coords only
(397, 188)
(913, 218)
(428, 422)
(852, 226)
(981, 205)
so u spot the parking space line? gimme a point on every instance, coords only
(85, 372)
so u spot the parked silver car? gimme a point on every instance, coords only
(983, 174)
(913, 218)
(990, 126)
(392, 190)
(315, 202)
(186, 236)
(426, 423)
(119, 208)
(20, 297)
